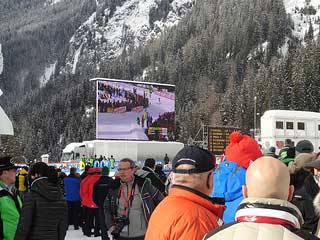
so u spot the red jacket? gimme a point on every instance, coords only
(86, 187)
(184, 214)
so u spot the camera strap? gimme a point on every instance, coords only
(127, 198)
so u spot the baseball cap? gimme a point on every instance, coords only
(201, 159)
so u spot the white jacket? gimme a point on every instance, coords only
(263, 219)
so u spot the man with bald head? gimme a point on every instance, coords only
(266, 212)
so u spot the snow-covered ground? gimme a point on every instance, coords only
(78, 235)
(124, 125)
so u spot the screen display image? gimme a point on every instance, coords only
(135, 110)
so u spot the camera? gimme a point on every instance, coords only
(120, 222)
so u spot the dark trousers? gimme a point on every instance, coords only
(91, 220)
(103, 227)
(135, 238)
(74, 209)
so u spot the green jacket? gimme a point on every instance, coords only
(10, 206)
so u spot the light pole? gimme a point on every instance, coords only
(254, 116)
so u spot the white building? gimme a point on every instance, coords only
(278, 125)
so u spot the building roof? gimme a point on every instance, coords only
(291, 114)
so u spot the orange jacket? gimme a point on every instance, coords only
(184, 215)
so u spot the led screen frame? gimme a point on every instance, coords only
(131, 110)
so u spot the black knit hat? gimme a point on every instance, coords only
(304, 146)
(6, 163)
(200, 158)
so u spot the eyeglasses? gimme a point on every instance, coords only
(124, 169)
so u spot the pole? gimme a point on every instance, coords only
(254, 116)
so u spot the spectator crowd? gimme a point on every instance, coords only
(248, 195)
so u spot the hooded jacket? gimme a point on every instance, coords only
(10, 208)
(86, 187)
(147, 193)
(155, 179)
(184, 214)
(263, 219)
(22, 186)
(44, 213)
(229, 178)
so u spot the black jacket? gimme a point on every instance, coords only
(44, 213)
(100, 190)
(155, 179)
(303, 199)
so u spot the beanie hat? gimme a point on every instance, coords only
(105, 171)
(242, 149)
(304, 146)
(299, 162)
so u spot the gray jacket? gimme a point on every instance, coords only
(145, 194)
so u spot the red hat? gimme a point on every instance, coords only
(242, 149)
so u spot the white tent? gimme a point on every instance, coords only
(6, 127)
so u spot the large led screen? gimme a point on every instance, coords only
(135, 110)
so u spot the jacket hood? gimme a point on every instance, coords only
(94, 170)
(229, 177)
(316, 204)
(23, 172)
(141, 173)
(46, 189)
(269, 210)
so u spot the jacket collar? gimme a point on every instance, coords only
(268, 210)
(197, 197)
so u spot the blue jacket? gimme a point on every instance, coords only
(72, 188)
(229, 178)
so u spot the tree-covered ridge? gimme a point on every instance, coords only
(208, 53)
(33, 36)
(219, 57)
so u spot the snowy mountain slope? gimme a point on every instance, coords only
(1, 60)
(302, 13)
(51, 2)
(109, 31)
(48, 72)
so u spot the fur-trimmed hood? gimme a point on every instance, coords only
(316, 204)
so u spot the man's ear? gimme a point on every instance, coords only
(210, 181)
(290, 193)
(244, 191)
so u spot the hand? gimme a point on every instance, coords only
(113, 228)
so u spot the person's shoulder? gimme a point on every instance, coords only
(141, 180)
(218, 231)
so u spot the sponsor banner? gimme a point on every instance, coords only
(152, 130)
(168, 95)
(120, 109)
(137, 109)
